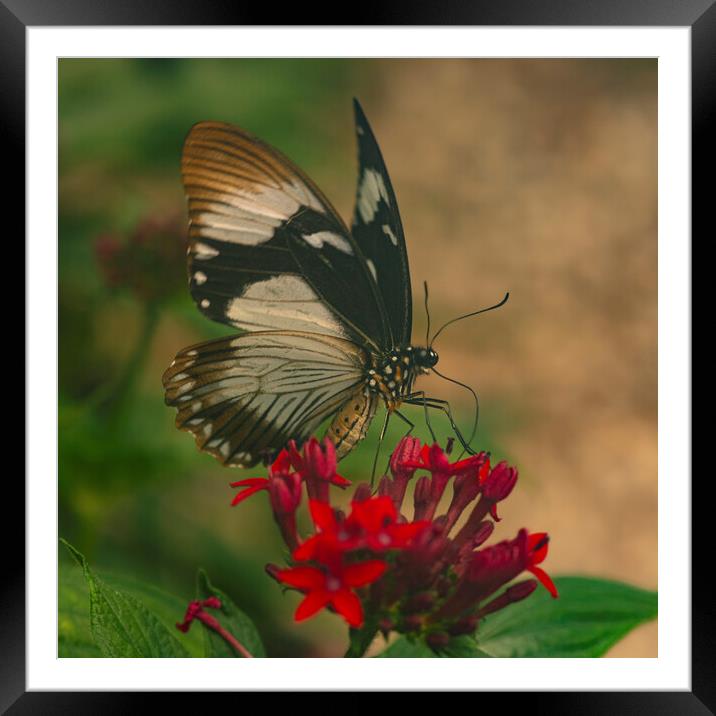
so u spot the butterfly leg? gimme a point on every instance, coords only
(378, 446)
(419, 398)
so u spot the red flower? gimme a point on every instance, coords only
(317, 465)
(284, 488)
(466, 488)
(372, 524)
(402, 460)
(537, 545)
(441, 584)
(376, 520)
(434, 459)
(332, 588)
(331, 540)
(497, 484)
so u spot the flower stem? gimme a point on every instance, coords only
(361, 639)
(195, 610)
(230, 639)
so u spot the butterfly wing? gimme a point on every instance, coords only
(378, 231)
(244, 397)
(267, 250)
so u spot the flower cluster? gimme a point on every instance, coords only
(143, 261)
(373, 566)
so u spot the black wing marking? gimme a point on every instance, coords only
(379, 232)
(267, 250)
(244, 397)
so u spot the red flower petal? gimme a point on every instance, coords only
(439, 461)
(348, 606)
(282, 463)
(312, 603)
(241, 496)
(374, 514)
(535, 557)
(356, 575)
(403, 533)
(302, 577)
(323, 516)
(308, 549)
(249, 482)
(340, 481)
(545, 579)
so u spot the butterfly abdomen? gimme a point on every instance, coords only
(352, 420)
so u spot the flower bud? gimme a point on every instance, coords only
(419, 603)
(466, 625)
(404, 456)
(385, 486)
(362, 493)
(319, 461)
(412, 622)
(273, 571)
(318, 468)
(403, 464)
(437, 639)
(499, 484)
(385, 626)
(422, 497)
(515, 593)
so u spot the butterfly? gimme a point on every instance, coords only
(326, 310)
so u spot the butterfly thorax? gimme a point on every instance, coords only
(392, 374)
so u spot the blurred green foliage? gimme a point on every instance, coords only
(136, 496)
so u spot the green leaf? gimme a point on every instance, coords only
(462, 647)
(405, 648)
(120, 624)
(168, 608)
(231, 618)
(74, 638)
(588, 618)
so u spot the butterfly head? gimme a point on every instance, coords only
(425, 358)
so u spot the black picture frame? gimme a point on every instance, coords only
(699, 15)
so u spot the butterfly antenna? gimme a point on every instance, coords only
(467, 315)
(427, 313)
(474, 395)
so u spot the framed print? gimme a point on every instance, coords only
(437, 412)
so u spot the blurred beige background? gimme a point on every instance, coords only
(546, 183)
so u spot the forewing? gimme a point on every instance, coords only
(246, 396)
(378, 231)
(251, 211)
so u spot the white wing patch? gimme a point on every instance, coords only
(283, 303)
(371, 191)
(389, 233)
(239, 189)
(319, 238)
(203, 251)
(371, 267)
